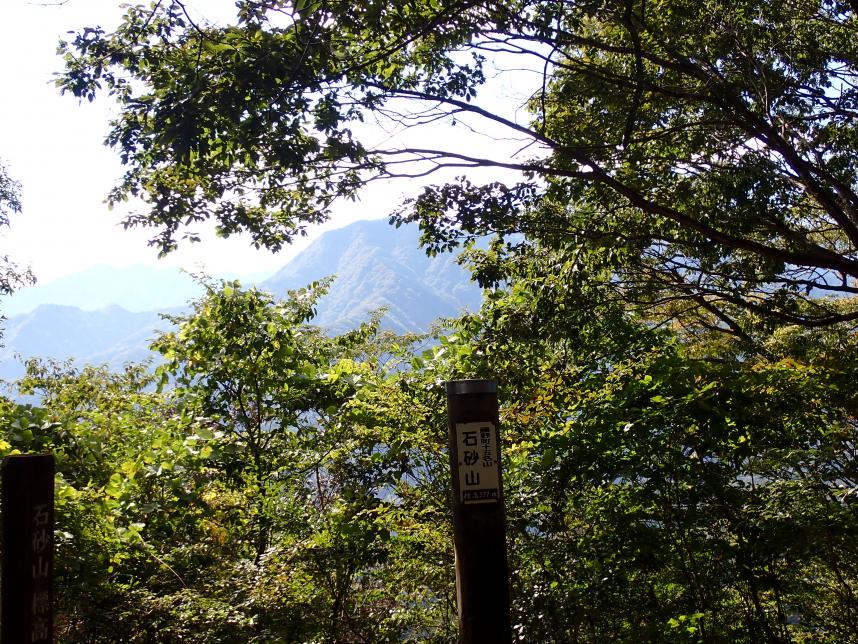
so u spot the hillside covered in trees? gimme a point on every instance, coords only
(669, 310)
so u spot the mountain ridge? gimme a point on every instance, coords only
(376, 266)
(136, 288)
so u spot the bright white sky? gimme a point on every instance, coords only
(53, 146)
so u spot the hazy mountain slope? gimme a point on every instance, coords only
(134, 288)
(376, 266)
(110, 335)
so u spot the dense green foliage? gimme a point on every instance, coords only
(673, 333)
(253, 499)
(283, 485)
(660, 492)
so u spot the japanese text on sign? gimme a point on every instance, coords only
(41, 602)
(26, 570)
(477, 452)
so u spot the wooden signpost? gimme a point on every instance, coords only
(26, 592)
(479, 520)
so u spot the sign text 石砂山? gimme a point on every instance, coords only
(479, 469)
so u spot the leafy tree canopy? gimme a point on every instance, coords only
(666, 488)
(281, 488)
(292, 486)
(702, 155)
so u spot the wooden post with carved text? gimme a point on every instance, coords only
(26, 589)
(479, 520)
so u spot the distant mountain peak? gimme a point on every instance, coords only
(378, 265)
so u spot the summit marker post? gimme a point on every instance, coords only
(26, 592)
(479, 518)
